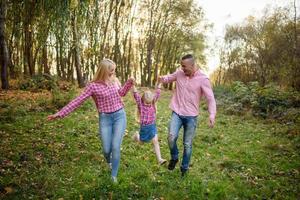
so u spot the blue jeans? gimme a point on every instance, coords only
(189, 126)
(112, 128)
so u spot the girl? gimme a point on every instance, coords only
(147, 115)
(106, 91)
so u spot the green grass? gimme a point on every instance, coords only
(241, 158)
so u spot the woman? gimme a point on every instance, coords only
(106, 91)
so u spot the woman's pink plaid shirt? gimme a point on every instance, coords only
(107, 97)
(147, 112)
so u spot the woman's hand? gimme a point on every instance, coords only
(52, 117)
(132, 80)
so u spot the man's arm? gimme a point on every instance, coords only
(211, 102)
(168, 78)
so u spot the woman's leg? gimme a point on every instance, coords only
(119, 127)
(105, 129)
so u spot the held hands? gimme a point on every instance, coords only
(132, 80)
(160, 79)
(158, 85)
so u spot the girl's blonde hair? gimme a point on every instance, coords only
(103, 70)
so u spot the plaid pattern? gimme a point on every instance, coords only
(147, 112)
(107, 97)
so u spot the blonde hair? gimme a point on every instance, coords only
(103, 70)
(148, 97)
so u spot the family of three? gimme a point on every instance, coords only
(107, 92)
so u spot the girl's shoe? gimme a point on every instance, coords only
(162, 161)
(136, 137)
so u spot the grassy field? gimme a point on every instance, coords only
(241, 158)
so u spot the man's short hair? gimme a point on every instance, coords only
(187, 56)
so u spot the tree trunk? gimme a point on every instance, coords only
(3, 47)
(76, 51)
(103, 42)
(45, 60)
(296, 71)
(28, 51)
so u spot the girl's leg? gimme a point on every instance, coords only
(106, 135)
(119, 127)
(157, 150)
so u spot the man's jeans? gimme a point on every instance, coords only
(189, 126)
(112, 128)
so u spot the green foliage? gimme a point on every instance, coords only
(266, 102)
(61, 98)
(238, 159)
(262, 49)
(39, 82)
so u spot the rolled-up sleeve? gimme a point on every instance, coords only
(209, 95)
(170, 77)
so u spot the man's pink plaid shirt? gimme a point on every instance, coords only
(107, 97)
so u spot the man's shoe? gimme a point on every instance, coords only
(172, 164)
(183, 172)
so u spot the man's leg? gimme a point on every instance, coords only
(175, 125)
(189, 126)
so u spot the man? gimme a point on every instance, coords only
(191, 85)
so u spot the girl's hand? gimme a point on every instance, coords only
(52, 117)
(159, 85)
(160, 79)
(134, 89)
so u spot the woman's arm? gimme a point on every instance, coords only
(127, 86)
(75, 103)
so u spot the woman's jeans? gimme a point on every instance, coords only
(112, 128)
(189, 126)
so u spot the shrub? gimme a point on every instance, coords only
(39, 82)
(266, 102)
(60, 98)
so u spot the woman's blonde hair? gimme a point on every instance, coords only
(103, 70)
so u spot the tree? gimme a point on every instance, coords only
(262, 49)
(3, 47)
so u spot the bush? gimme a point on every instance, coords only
(60, 98)
(266, 102)
(39, 82)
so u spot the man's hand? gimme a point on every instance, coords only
(211, 122)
